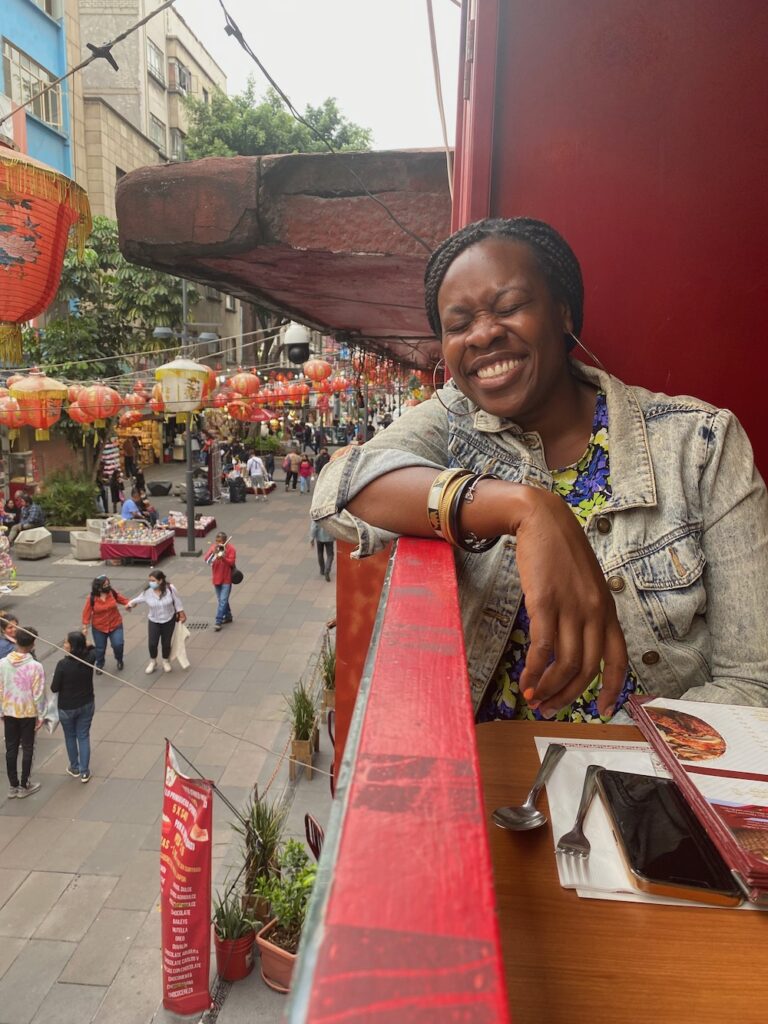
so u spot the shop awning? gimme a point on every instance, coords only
(299, 235)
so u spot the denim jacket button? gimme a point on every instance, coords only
(603, 524)
(651, 657)
(616, 584)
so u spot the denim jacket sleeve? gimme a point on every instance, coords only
(418, 438)
(735, 542)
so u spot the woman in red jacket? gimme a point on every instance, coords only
(102, 613)
(221, 557)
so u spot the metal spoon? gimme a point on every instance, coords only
(526, 816)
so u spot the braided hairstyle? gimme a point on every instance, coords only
(554, 256)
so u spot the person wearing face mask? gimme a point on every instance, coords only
(164, 610)
(73, 682)
(609, 539)
(102, 613)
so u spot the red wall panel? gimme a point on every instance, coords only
(639, 130)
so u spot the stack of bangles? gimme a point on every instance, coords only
(447, 495)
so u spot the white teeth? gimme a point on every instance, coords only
(497, 369)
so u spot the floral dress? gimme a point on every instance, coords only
(586, 486)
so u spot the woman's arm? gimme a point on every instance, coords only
(57, 677)
(87, 613)
(139, 599)
(121, 599)
(176, 598)
(572, 613)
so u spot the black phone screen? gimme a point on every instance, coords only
(662, 837)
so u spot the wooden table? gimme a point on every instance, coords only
(576, 961)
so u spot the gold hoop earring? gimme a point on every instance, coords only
(584, 348)
(437, 392)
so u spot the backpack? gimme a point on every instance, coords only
(237, 490)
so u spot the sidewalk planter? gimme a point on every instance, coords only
(234, 957)
(329, 699)
(276, 963)
(301, 753)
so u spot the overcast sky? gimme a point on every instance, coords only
(373, 56)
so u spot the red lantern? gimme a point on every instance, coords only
(259, 416)
(77, 415)
(73, 391)
(209, 384)
(38, 209)
(39, 399)
(99, 403)
(317, 369)
(340, 384)
(130, 419)
(157, 405)
(246, 383)
(11, 416)
(134, 400)
(240, 410)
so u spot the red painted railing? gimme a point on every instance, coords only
(402, 926)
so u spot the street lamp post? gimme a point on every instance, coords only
(193, 373)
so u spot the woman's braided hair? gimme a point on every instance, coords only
(557, 261)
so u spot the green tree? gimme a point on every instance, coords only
(246, 125)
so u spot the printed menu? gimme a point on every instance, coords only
(718, 756)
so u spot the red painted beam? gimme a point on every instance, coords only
(404, 928)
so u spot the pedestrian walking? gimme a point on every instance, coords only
(322, 460)
(129, 456)
(102, 613)
(164, 610)
(305, 474)
(221, 556)
(323, 542)
(73, 682)
(116, 489)
(257, 471)
(291, 464)
(22, 704)
(9, 624)
(269, 463)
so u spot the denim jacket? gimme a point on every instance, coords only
(683, 540)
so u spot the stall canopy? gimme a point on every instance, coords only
(298, 234)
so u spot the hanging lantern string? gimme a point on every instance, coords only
(104, 51)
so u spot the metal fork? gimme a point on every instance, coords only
(575, 843)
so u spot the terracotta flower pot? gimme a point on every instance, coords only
(301, 753)
(234, 957)
(276, 963)
(329, 699)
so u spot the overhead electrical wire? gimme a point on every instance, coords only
(439, 92)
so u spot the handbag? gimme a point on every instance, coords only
(179, 645)
(237, 576)
(51, 715)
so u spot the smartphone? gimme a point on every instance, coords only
(664, 847)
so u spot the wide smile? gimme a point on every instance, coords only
(498, 374)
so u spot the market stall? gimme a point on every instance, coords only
(177, 521)
(133, 541)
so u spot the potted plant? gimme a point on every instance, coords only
(261, 829)
(288, 894)
(303, 713)
(233, 937)
(328, 674)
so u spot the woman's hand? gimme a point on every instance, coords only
(182, 616)
(574, 625)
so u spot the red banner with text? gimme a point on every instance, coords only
(185, 888)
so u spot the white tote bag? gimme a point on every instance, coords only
(179, 644)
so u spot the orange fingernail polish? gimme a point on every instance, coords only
(528, 694)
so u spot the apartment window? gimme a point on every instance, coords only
(212, 293)
(229, 303)
(177, 144)
(52, 7)
(206, 96)
(179, 77)
(155, 62)
(24, 78)
(157, 132)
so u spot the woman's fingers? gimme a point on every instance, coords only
(590, 642)
(615, 664)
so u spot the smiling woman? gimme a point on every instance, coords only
(634, 523)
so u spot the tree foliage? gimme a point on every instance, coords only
(246, 125)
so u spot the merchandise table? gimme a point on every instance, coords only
(200, 531)
(582, 961)
(127, 551)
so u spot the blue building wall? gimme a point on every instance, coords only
(24, 25)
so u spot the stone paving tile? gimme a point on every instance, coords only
(214, 704)
(26, 909)
(103, 723)
(106, 754)
(27, 981)
(74, 845)
(124, 699)
(99, 955)
(244, 768)
(149, 936)
(139, 884)
(9, 826)
(67, 1004)
(137, 761)
(131, 801)
(32, 843)
(130, 727)
(9, 950)
(216, 658)
(66, 800)
(228, 680)
(198, 678)
(10, 880)
(136, 993)
(74, 912)
(186, 701)
(192, 734)
(116, 850)
(166, 724)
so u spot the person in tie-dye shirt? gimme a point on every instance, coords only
(22, 705)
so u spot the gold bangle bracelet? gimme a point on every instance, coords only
(446, 503)
(439, 484)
